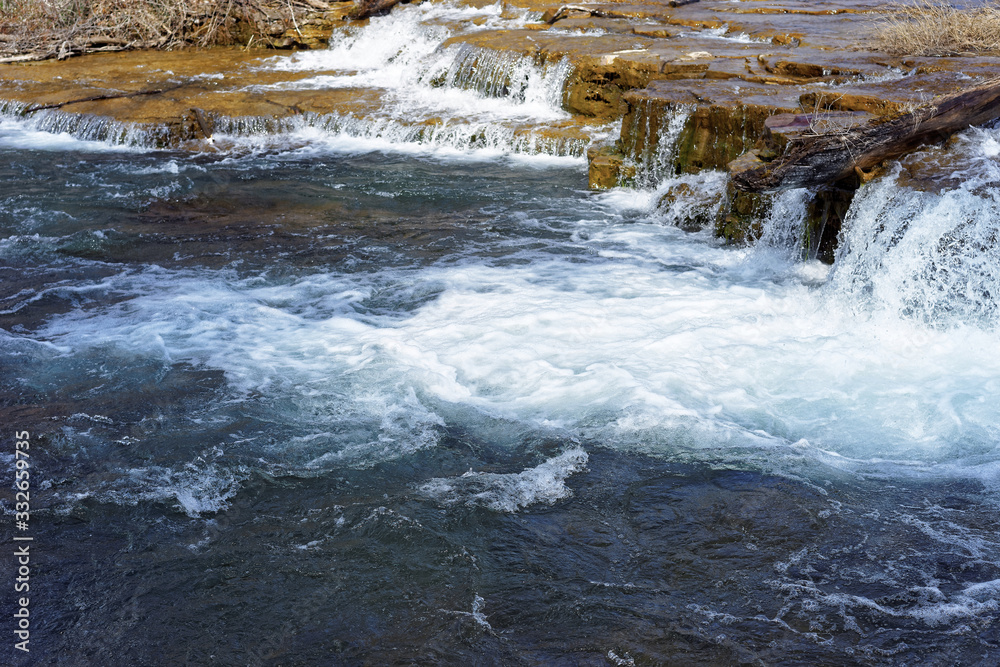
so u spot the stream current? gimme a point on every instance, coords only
(348, 395)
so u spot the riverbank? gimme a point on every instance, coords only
(34, 30)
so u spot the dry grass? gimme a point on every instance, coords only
(935, 28)
(37, 29)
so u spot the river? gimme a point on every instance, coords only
(353, 393)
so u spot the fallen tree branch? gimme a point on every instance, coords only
(367, 8)
(316, 4)
(28, 57)
(204, 122)
(801, 150)
(96, 98)
(551, 17)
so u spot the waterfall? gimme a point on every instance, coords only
(86, 127)
(930, 256)
(364, 384)
(422, 91)
(407, 55)
(783, 229)
(432, 94)
(515, 77)
(662, 162)
(388, 133)
(654, 132)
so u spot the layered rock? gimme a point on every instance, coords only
(693, 86)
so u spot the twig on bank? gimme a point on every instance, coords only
(95, 98)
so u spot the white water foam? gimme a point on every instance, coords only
(396, 43)
(668, 344)
(509, 492)
(455, 98)
(932, 257)
(659, 341)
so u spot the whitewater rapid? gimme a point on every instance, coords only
(615, 328)
(607, 324)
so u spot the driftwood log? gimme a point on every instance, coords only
(551, 16)
(801, 150)
(364, 9)
(565, 11)
(67, 48)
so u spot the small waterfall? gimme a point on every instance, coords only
(515, 77)
(462, 134)
(87, 127)
(101, 128)
(12, 108)
(784, 230)
(401, 39)
(656, 131)
(389, 45)
(930, 256)
(435, 134)
(406, 53)
(457, 97)
(662, 163)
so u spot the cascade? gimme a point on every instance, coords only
(85, 127)
(457, 97)
(931, 256)
(392, 133)
(499, 74)
(654, 137)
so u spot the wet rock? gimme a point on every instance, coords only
(721, 121)
(657, 33)
(689, 208)
(742, 216)
(608, 168)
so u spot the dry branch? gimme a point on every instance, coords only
(804, 153)
(95, 98)
(364, 9)
(40, 29)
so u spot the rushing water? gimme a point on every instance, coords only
(328, 397)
